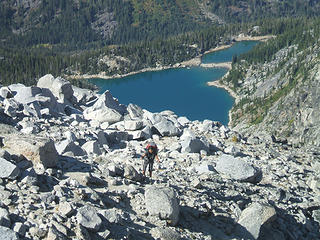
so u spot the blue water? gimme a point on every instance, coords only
(226, 54)
(181, 90)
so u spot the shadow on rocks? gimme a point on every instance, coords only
(47, 180)
(71, 164)
(125, 230)
(205, 223)
(286, 226)
(123, 224)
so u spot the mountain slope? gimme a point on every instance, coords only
(80, 23)
(76, 174)
(108, 21)
(278, 86)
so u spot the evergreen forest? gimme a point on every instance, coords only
(79, 37)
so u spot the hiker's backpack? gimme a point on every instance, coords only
(152, 145)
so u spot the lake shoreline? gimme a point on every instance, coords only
(218, 84)
(196, 61)
(232, 93)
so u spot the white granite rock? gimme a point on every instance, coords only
(236, 168)
(253, 217)
(106, 109)
(8, 169)
(163, 203)
(92, 147)
(36, 149)
(87, 217)
(8, 234)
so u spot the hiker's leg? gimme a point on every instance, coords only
(150, 168)
(145, 165)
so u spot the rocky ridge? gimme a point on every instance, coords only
(281, 97)
(70, 169)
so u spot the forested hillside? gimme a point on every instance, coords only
(78, 23)
(67, 37)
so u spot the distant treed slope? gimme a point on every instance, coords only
(104, 22)
(118, 59)
(17, 66)
(248, 10)
(79, 23)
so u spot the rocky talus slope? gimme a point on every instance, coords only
(70, 168)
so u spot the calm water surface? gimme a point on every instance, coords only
(181, 90)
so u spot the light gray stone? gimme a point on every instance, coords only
(135, 112)
(38, 232)
(11, 106)
(69, 146)
(83, 96)
(36, 149)
(24, 94)
(28, 127)
(8, 234)
(4, 154)
(206, 126)
(65, 209)
(167, 128)
(5, 92)
(193, 145)
(29, 95)
(115, 170)
(236, 168)
(165, 234)
(232, 150)
(146, 133)
(8, 169)
(20, 228)
(87, 217)
(5, 218)
(4, 194)
(104, 234)
(253, 140)
(102, 138)
(70, 136)
(54, 233)
(183, 121)
(163, 203)
(187, 133)
(143, 134)
(45, 113)
(204, 168)
(253, 217)
(6, 129)
(132, 125)
(316, 215)
(131, 173)
(106, 109)
(112, 215)
(59, 87)
(154, 118)
(32, 109)
(92, 147)
(196, 183)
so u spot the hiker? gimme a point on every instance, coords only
(149, 156)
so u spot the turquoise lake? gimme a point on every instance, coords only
(181, 90)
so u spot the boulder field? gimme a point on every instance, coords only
(70, 168)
